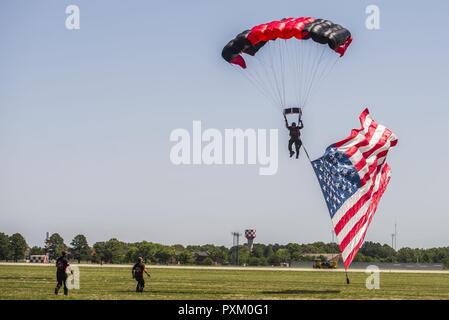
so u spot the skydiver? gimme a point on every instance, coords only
(137, 273)
(295, 136)
(62, 263)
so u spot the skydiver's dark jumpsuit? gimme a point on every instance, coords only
(295, 137)
(138, 270)
(61, 276)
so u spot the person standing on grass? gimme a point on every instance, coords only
(138, 270)
(62, 263)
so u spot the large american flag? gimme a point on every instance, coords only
(353, 175)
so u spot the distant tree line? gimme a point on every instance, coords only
(15, 248)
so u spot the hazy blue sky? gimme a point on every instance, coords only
(85, 119)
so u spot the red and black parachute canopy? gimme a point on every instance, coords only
(304, 28)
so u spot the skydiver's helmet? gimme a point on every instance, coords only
(63, 253)
(140, 259)
(293, 124)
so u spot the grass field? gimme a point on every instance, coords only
(38, 282)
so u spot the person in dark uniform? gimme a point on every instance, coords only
(138, 270)
(295, 136)
(61, 273)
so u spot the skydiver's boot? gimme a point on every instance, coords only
(292, 153)
(57, 289)
(66, 291)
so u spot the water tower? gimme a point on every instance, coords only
(250, 235)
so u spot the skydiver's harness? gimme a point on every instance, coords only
(297, 111)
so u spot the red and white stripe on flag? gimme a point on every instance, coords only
(366, 149)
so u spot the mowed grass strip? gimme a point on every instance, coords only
(38, 282)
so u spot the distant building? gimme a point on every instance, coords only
(200, 256)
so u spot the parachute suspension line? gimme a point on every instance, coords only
(281, 73)
(263, 81)
(295, 55)
(313, 71)
(302, 70)
(311, 57)
(270, 75)
(316, 65)
(304, 55)
(282, 49)
(297, 66)
(305, 68)
(287, 72)
(328, 69)
(329, 62)
(257, 82)
(296, 52)
(271, 72)
(275, 72)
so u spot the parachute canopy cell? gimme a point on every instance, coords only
(319, 30)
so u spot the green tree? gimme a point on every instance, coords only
(165, 254)
(147, 250)
(114, 251)
(407, 255)
(185, 257)
(217, 254)
(378, 251)
(80, 249)
(99, 252)
(446, 263)
(55, 245)
(18, 246)
(132, 253)
(5, 247)
(254, 261)
(258, 250)
(268, 251)
(283, 255)
(244, 255)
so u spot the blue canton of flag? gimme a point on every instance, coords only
(337, 176)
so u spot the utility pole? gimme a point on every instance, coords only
(236, 243)
(392, 240)
(395, 237)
